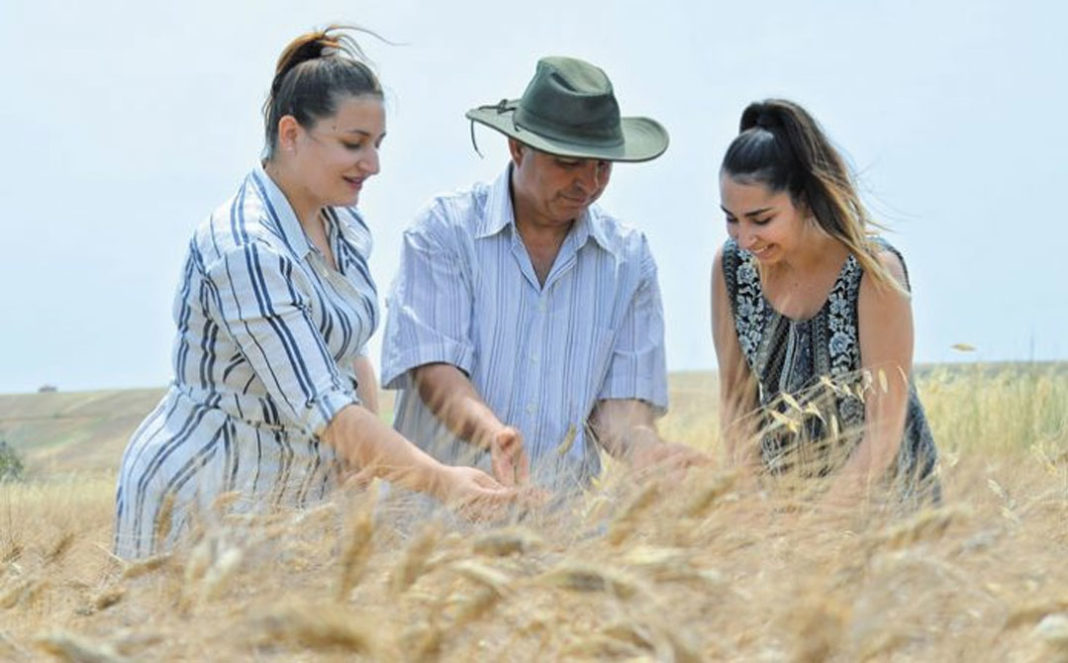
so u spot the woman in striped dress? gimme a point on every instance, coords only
(273, 396)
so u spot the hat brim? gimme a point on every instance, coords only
(644, 139)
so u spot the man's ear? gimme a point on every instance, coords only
(516, 149)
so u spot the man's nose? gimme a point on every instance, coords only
(592, 176)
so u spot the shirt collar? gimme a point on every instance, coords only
(594, 223)
(280, 213)
(500, 214)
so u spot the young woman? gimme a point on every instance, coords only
(812, 320)
(272, 395)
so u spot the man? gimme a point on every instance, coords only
(525, 324)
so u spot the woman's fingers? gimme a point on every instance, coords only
(479, 497)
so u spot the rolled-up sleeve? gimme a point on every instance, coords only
(429, 306)
(637, 367)
(265, 310)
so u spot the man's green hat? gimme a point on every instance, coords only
(569, 109)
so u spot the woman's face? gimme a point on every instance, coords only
(763, 222)
(337, 155)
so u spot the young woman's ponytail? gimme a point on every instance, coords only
(781, 146)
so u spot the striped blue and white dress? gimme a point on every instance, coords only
(540, 356)
(268, 333)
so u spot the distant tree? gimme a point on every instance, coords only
(11, 468)
(47, 388)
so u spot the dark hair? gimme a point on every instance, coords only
(314, 71)
(784, 148)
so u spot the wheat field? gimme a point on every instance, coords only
(668, 570)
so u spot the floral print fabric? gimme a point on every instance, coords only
(808, 372)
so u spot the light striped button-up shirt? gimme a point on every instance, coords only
(540, 356)
(263, 360)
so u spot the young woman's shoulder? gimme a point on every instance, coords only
(881, 301)
(727, 252)
(233, 227)
(892, 262)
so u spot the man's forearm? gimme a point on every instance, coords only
(623, 425)
(451, 397)
(626, 429)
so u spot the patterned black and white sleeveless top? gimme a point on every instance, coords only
(809, 378)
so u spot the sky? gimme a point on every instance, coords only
(126, 123)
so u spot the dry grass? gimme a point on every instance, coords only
(702, 569)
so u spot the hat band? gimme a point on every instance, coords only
(592, 134)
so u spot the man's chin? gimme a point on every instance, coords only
(569, 212)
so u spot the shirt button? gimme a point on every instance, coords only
(534, 359)
(530, 408)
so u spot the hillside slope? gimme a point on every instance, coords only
(85, 432)
(61, 433)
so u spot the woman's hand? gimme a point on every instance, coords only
(473, 493)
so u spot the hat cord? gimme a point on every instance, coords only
(501, 107)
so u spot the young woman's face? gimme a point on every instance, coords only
(763, 222)
(337, 155)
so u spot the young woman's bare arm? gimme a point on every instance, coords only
(886, 338)
(737, 394)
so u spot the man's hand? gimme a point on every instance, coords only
(449, 394)
(509, 459)
(626, 428)
(652, 455)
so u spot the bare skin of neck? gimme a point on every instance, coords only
(798, 287)
(309, 214)
(543, 245)
(541, 239)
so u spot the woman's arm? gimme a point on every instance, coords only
(363, 441)
(366, 383)
(262, 306)
(737, 396)
(885, 329)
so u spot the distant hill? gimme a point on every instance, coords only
(64, 432)
(78, 432)
(61, 433)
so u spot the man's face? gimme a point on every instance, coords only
(551, 190)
